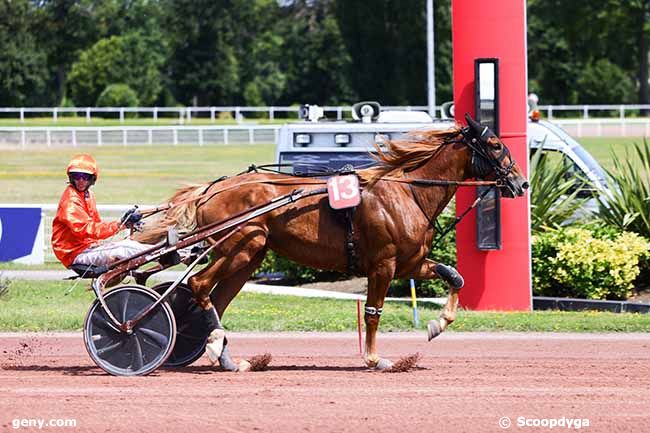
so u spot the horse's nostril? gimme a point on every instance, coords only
(525, 185)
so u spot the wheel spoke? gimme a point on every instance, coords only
(160, 339)
(136, 356)
(101, 320)
(125, 302)
(108, 349)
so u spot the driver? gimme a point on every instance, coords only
(77, 227)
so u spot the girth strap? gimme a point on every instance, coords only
(350, 247)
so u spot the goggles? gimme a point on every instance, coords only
(81, 176)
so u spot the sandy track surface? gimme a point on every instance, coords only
(465, 382)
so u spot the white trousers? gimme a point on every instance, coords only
(110, 252)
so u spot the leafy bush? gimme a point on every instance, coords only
(596, 263)
(130, 59)
(118, 95)
(553, 196)
(4, 285)
(293, 272)
(628, 207)
(67, 103)
(603, 82)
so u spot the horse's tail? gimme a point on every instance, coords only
(181, 216)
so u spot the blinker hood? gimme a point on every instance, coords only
(479, 131)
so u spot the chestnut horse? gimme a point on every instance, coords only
(392, 224)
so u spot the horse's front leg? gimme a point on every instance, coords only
(378, 282)
(428, 270)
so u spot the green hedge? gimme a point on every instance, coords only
(587, 262)
(118, 95)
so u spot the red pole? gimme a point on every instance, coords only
(359, 326)
(485, 288)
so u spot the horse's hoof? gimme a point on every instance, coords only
(433, 329)
(244, 366)
(215, 345)
(384, 364)
(225, 361)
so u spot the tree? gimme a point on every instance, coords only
(602, 82)
(317, 63)
(260, 51)
(126, 60)
(568, 41)
(203, 66)
(386, 40)
(64, 28)
(23, 68)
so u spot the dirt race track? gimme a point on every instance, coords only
(466, 382)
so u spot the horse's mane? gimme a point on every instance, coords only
(402, 156)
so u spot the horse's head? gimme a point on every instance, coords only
(491, 159)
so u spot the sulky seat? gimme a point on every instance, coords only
(88, 271)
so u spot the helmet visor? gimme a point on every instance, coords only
(75, 175)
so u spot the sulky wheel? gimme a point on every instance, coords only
(191, 330)
(130, 354)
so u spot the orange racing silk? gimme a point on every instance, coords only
(77, 225)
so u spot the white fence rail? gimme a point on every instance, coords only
(605, 127)
(182, 113)
(26, 137)
(585, 111)
(136, 135)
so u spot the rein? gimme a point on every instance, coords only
(305, 178)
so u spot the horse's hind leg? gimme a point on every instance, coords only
(429, 270)
(243, 246)
(223, 294)
(378, 282)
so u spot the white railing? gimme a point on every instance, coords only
(605, 127)
(136, 135)
(238, 113)
(25, 137)
(584, 110)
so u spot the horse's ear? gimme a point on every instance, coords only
(474, 125)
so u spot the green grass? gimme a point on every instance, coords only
(601, 147)
(44, 306)
(144, 175)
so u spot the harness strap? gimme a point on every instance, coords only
(288, 181)
(350, 247)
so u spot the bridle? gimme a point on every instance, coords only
(483, 161)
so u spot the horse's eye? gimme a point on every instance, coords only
(495, 143)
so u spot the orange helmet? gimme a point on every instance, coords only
(83, 163)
